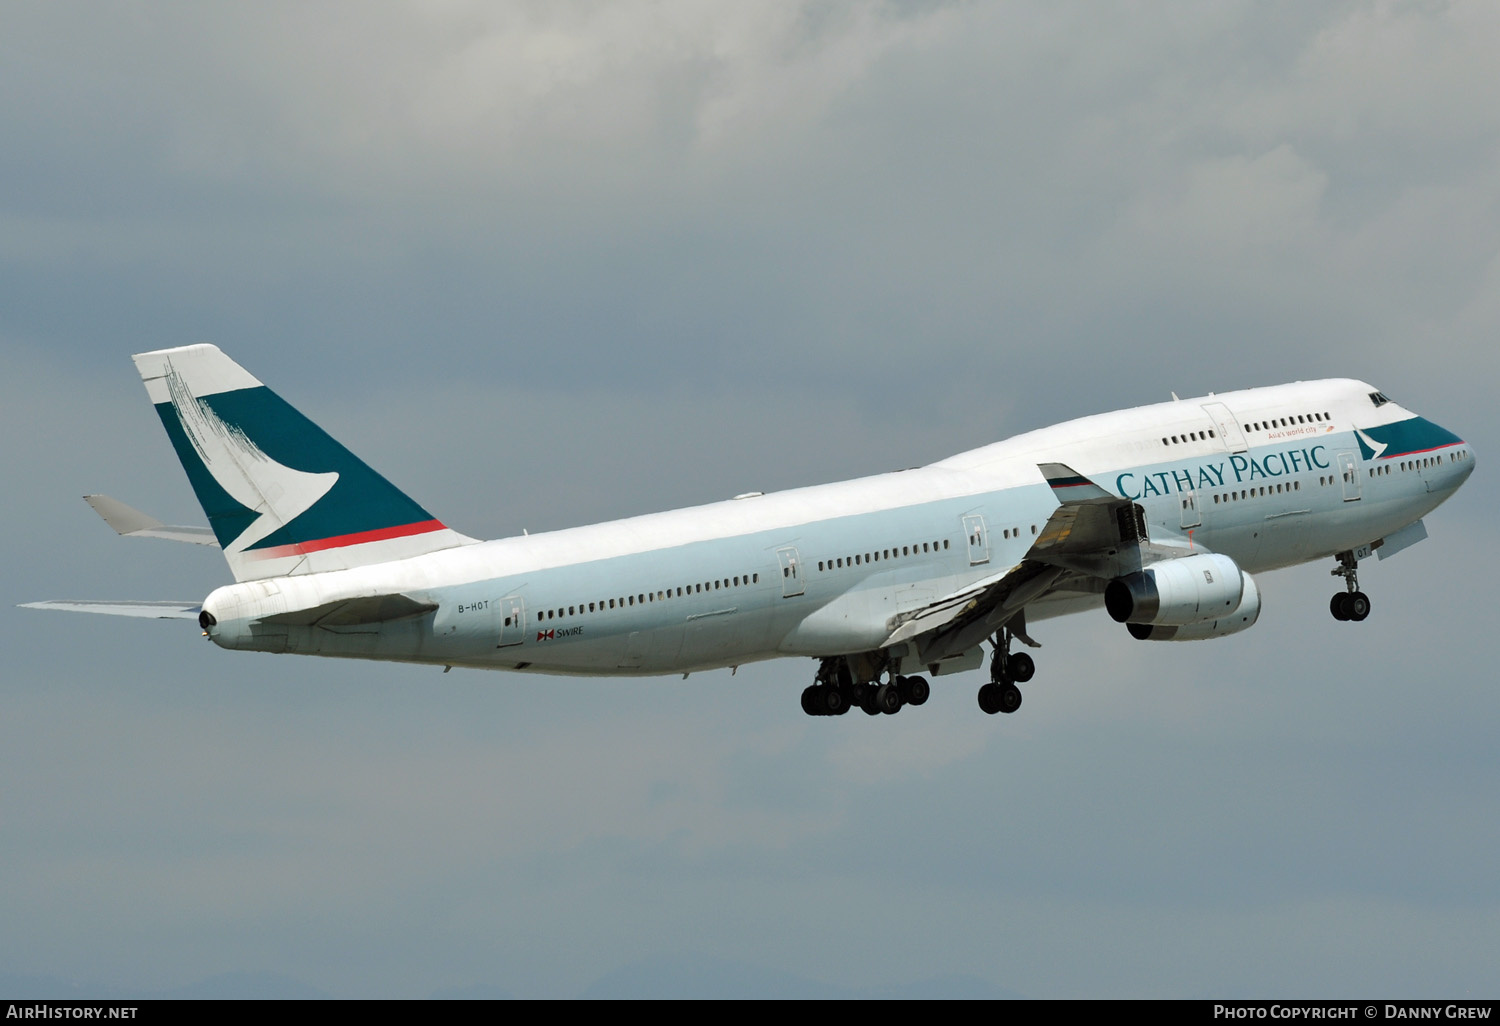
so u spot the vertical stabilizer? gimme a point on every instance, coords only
(281, 496)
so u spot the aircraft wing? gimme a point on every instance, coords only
(148, 610)
(132, 523)
(1091, 534)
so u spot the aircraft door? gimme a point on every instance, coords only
(1349, 471)
(512, 621)
(791, 571)
(1228, 425)
(979, 542)
(1191, 517)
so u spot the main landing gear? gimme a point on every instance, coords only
(1001, 695)
(1351, 604)
(836, 691)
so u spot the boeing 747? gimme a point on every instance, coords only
(1160, 515)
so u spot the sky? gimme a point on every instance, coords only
(547, 264)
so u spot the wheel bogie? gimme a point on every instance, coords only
(836, 689)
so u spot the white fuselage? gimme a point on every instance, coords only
(1269, 477)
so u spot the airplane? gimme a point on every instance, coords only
(1159, 514)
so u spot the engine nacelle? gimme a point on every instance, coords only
(1177, 592)
(1244, 616)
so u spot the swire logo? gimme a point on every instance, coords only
(558, 632)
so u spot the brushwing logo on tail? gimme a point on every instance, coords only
(276, 492)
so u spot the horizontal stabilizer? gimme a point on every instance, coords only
(144, 610)
(132, 523)
(354, 612)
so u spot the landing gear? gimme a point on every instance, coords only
(1351, 604)
(836, 691)
(823, 700)
(892, 697)
(996, 697)
(913, 690)
(1007, 670)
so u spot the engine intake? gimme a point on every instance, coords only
(1178, 592)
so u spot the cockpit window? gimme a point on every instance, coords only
(1379, 398)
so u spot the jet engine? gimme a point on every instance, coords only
(1178, 592)
(1244, 616)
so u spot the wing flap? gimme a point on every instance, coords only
(945, 610)
(958, 622)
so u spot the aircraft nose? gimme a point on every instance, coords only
(1458, 464)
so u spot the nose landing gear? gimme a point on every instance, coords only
(1350, 604)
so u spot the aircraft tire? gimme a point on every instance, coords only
(1339, 605)
(888, 698)
(1358, 606)
(989, 698)
(1021, 667)
(809, 699)
(1010, 698)
(914, 690)
(836, 701)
